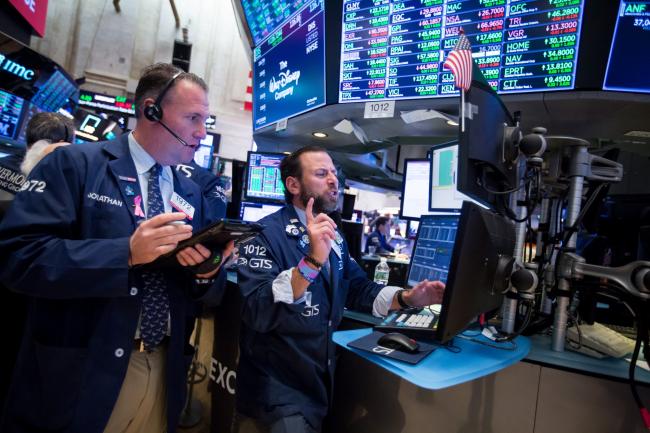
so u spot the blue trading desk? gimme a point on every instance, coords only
(443, 368)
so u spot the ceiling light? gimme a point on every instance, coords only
(319, 134)
(452, 123)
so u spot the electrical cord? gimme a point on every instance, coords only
(510, 347)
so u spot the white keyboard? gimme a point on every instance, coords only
(599, 341)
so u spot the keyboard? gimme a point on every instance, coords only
(599, 341)
(420, 325)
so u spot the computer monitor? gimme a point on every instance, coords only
(204, 155)
(443, 192)
(415, 189)
(256, 211)
(484, 158)
(434, 244)
(480, 268)
(263, 180)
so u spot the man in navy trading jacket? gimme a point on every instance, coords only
(296, 278)
(106, 346)
(377, 238)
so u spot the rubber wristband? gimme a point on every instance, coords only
(313, 261)
(400, 299)
(306, 271)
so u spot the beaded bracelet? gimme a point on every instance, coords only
(307, 272)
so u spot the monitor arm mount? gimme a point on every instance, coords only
(523, 281)
(582, 166)
(633, 278)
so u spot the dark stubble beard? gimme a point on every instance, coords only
(321, 204)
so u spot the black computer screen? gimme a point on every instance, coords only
(431, 255)
(484, 166)
(263, 180)
(479, 273)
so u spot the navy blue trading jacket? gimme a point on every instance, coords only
(286, 363)
(65, 244)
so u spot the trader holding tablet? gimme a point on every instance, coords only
(106, 346)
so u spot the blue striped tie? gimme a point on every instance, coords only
(155, 302)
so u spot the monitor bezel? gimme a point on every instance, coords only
(401, 204)
(417, 238)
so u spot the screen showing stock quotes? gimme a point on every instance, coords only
(289, 67)
(396, 48)
(629, 63)
(263, 16)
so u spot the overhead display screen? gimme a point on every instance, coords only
(263, 16)
(396, 48)
(289, 67)
(35, 78)
(628, 65)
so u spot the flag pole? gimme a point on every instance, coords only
(462, 110)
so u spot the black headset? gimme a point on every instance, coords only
(154, 112)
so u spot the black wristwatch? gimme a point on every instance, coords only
(400, 299)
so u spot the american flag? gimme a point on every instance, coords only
(459, 60)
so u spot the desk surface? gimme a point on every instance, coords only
(541, 353)
(442, 368)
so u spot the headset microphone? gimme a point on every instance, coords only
(183, 142)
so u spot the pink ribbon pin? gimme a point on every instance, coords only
(138, 207)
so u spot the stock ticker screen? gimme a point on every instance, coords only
(396, 48)
(263, 17)
(11, 108)
(628, 68)
(264, 180)
(433, 248)
(289, 67)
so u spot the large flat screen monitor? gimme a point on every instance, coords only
(35, 78)
(263, 180)
(262, 17)
(479, 271)
(396, 49)
(289, 67)
(629, 63)
(443, 192)
(415, 189)
(485, 168)
(256, 211)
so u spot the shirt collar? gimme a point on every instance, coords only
(302, 215)
(142, 160)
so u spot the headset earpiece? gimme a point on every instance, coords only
(153, 112)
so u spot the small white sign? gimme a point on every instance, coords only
(379, 109)
(181, 205)
(281, 125)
